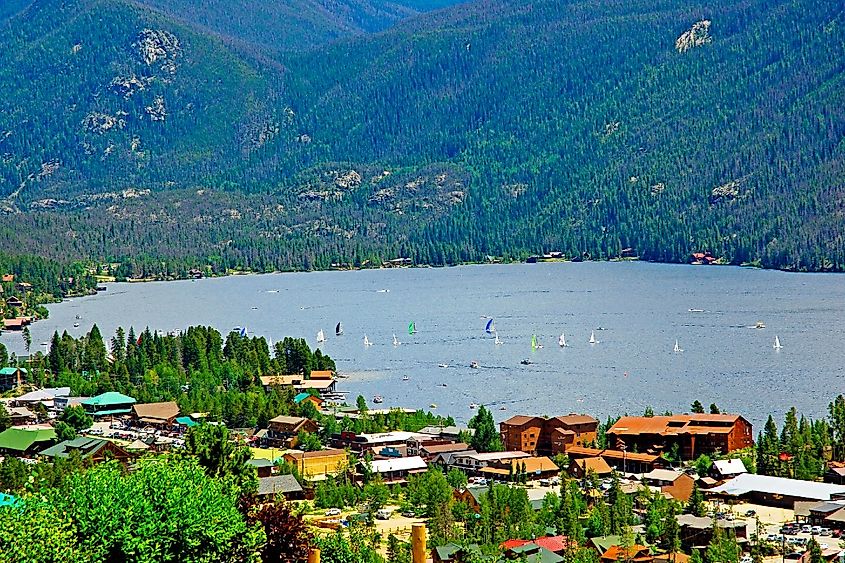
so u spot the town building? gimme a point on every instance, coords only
(675, 484)
(156, 414)
(694, 434)
(317, 464)
(26, 441)
(286, 485)
(620, 460)
(372, 443)
(11, 377)
(775, 491)
(92, 450)
(283, 430)
(727, 468)
(397, 470)
(537, 435)
(633, 554)
(473, 463)
(108, 404)
(581, 467)
(697, 531)
(536, 467)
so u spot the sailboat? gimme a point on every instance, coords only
(562, 341)
(338, 329)
(777, 345)
(593, 338)
(320, 336)
(534, 344)
(677, 349)
(396, 341)
(490, 329)
(412, 328)
(367, 342)
(497, 341)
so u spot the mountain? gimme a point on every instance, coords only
(281, 26)
(497, 127)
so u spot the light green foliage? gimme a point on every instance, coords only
(13, 474)
(39, 533)
(337, 548)
(166, 510)
(702, 464)
(457, 479)
(308, 442)
(376, 494)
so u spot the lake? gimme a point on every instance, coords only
(637, 311)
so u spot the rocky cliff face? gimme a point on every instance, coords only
(696, 36)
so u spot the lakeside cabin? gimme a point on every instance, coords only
(11, 377)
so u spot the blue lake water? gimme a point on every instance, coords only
(642, 308)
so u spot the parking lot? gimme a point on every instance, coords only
(121, 433)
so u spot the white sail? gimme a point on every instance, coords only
(497, 341)
(320, 336)
(593, 338)
(777, 345)
(367, 341)
(677, 347)
(396, 341)
(562, 341)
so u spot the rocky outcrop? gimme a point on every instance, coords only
(696, 36)
(96, 122)
(159, 48)
(157, 110)
(348, 180)
(126, 86)
(725, 192)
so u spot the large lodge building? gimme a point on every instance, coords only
(695, 434)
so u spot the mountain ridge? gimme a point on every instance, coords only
(490, 128)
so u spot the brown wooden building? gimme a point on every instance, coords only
(547, 436)
(694, 434)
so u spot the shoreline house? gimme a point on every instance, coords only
(155, 414)
(108, 404)
(694, 434)
(537, 435)
(533, 467)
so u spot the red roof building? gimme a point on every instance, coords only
(694, 434)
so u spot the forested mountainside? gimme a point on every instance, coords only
(285, 25)
(496, 127)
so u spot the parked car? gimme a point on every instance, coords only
(816, 530)
(806, 529)
(825, 532)
(333, 512)
(383, 513)
(745, 559)
(750, 513)
(409, 514)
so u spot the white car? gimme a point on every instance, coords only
(333, 512)
(745, 559)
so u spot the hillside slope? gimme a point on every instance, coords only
(294, 25)
(499, 127)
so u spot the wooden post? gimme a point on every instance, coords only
(314, 555)
(418, 543)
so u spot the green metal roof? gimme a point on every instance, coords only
(108, 399)
(186, 421)
(20, 439)
(111, 411)
(11, 371)
(85, 446)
